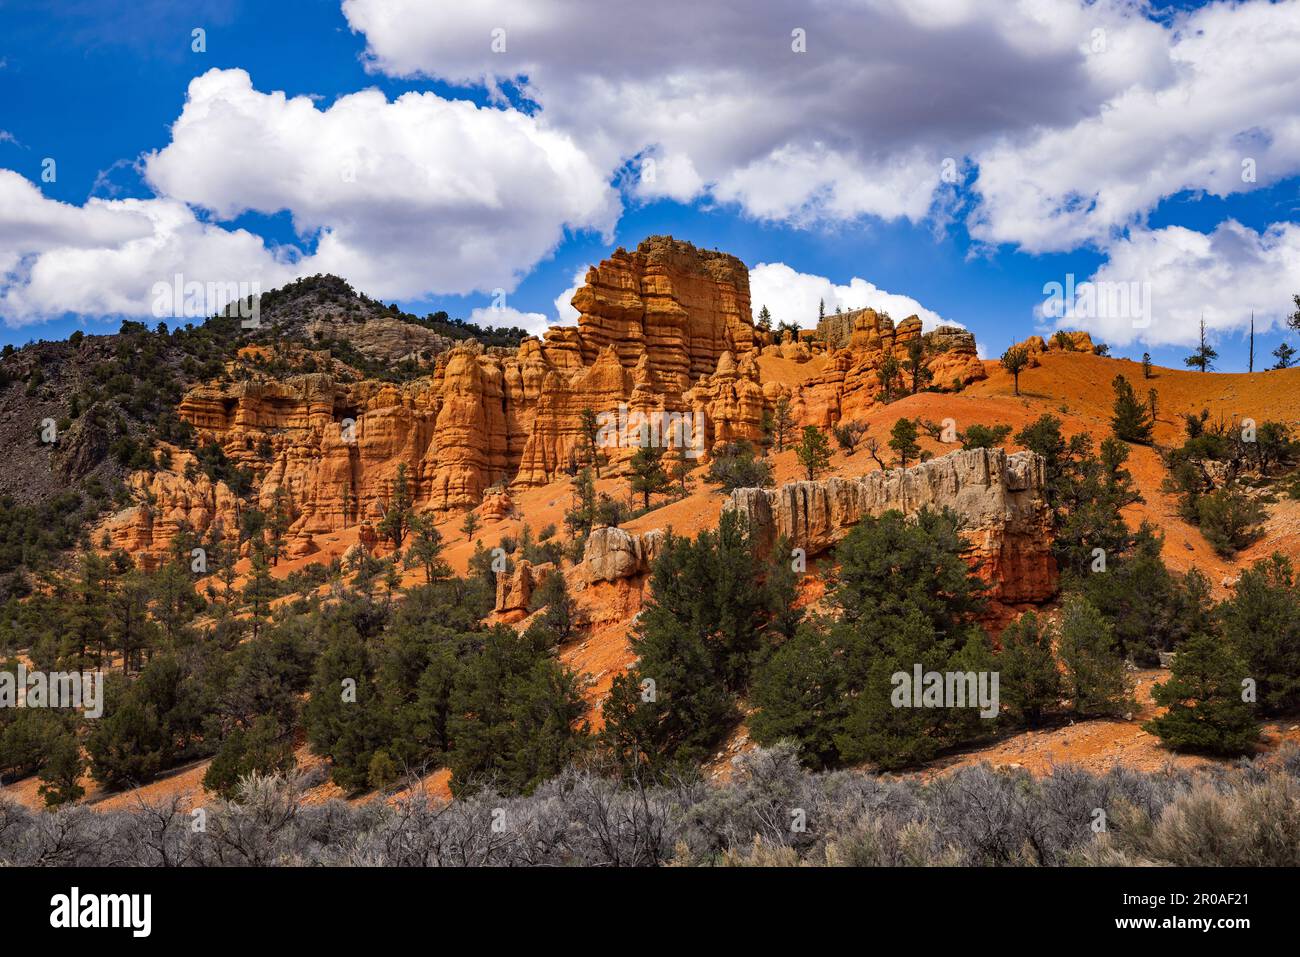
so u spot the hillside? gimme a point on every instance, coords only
(304, 458)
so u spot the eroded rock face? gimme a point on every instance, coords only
(681, 306)
(171, 502)
(859, 341)
(515, 589)
(999, 498)
(614, 553)
(664, 332)
(1063, 341)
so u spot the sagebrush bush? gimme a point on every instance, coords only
(772, 813)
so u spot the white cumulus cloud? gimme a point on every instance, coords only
(1223, 119)
(408, 197)
(827, 111)
(1224, 275)
(104, 258)
(506, 316)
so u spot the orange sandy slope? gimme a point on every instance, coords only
(1075, 387)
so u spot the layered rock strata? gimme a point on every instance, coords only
(999, 498)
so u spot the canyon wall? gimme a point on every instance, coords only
(680, 306)
(999, 498)
(664, 332)
(858, 342)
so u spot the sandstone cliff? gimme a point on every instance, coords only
(858, 343)
(681, 306)
(1061, 341)
(664, 334)
(998, 497)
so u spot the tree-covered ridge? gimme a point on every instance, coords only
(79, 415)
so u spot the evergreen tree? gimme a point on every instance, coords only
(764, 323)
(61, 774)
(800, 695)
(890, 376)
(915, 365)
(1229, 519)
(151, 723)
(1014, 360)
(890, 564)
(1285, 356)
(647, 472)
(1261, 622)
(88, 607)
(515, 717)
(902, 439)
(1094, 671)
(891, 736)
(591, 439)
(1146, 365)
(737, 465)
(978, 436)
(277, 524)
(814, 452)
(264, 748)
(260, 591)
(680, 468)
(343, 717)
(553, 596)
(131, 629)
(696, 642)
(1087, 493)
(397, 515)
(426, 549)
(1132, 421)
(470, 524)
(1204, 356)
(1204, 700)
(1030, 684)
(1150, 609)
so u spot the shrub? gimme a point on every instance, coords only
(738, 465)
(1229, 520)
(1030, 683)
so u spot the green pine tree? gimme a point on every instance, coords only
(1094, 671)
(1204, 700)
(1014, 360)
(1132, 421)
(814, 452)
(800, 694)
(647, 472)
(902, 439)
(1030, 683)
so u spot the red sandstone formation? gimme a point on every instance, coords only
(664, 334)
(999, 498)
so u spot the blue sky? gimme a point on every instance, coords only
(1107, 140)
